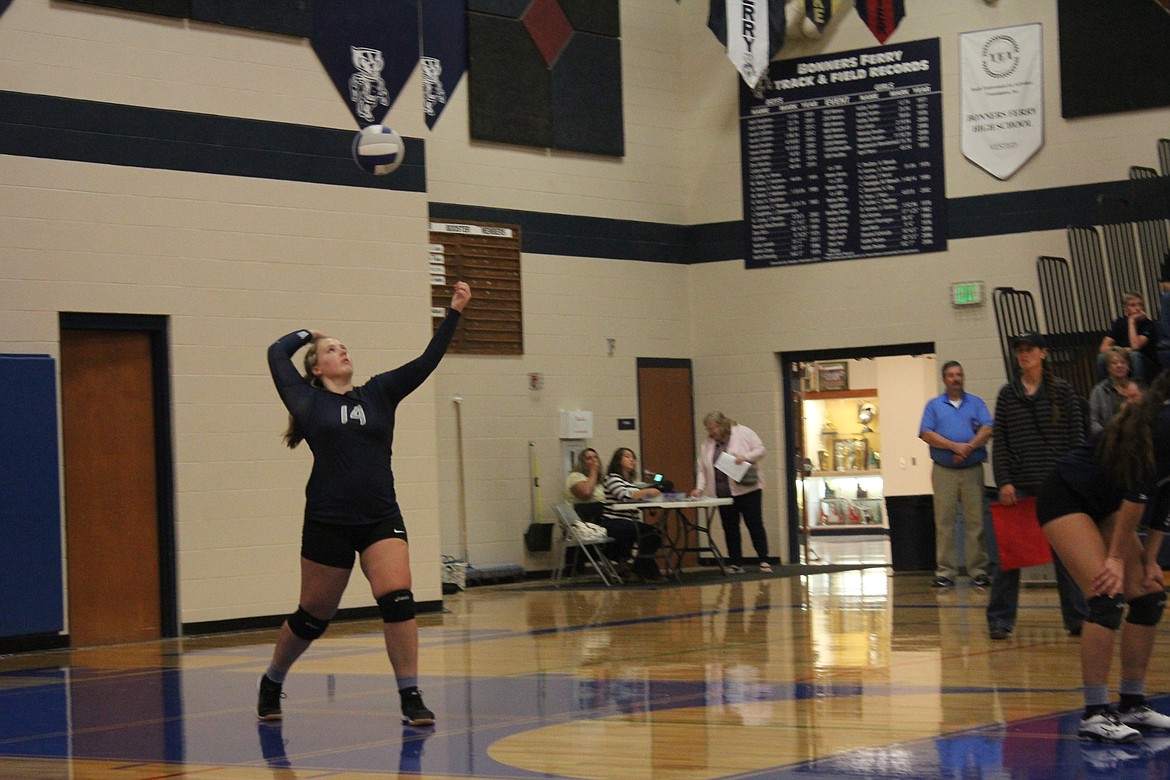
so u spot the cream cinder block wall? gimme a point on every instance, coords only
(236, 262)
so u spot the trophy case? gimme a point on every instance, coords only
(842, 478)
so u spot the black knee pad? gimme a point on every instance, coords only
(305, 625)
(1146, 610)
(1106, 611)
(397, 606)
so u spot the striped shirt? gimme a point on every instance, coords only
(1027, 442)
(619, 491)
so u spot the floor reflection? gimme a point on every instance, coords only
(847, 675)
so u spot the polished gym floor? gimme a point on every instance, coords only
(852, 674)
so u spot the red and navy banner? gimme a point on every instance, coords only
(444, 53)
(881, 16)
(819, 12)
(751, 30)
(369, 49)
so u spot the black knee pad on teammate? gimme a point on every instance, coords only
(1106, 611)
(397, 606)
(305, 625)
(1146, 610)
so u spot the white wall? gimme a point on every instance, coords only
(236, 262)
(906, 383)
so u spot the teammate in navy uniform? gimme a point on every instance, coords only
(350, 503)
(1090, 507)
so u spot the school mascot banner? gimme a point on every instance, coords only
(369, 48)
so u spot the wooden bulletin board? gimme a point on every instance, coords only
(487, 257)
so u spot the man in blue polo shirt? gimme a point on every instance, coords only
(957, 426)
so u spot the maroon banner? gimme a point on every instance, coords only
(881, 16)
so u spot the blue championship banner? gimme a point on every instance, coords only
(444, 55)
(843, 157)
(369, 49)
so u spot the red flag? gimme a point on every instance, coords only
(881, 16)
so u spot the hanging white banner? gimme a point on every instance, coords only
(1002, 78)
(747, 38)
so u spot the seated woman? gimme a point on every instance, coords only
(1108, 395)
(583, 488)
(625, 525)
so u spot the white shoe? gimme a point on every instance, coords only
(1105, 727)
(1145, 717)
(733, 569)
(765, 566)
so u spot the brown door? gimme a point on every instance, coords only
(111, 511)
(666, 414)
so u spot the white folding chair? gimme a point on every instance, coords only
(572, 537)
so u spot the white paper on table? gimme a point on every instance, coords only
(726, 463)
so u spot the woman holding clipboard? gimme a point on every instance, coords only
(727, 469)
(1037, 420)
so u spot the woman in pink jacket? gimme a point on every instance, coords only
(741, 443)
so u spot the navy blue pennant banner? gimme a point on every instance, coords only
(819, 12)
(4, 6)
(881, 16)
(444, 53)
(369, 49)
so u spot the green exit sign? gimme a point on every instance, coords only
(967, 293)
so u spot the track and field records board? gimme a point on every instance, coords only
(842, 157)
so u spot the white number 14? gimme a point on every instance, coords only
(357, 413)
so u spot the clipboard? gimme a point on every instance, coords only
(728, 466)
(1018, 535)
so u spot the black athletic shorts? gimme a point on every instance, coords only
(332, 544)
(1057, 499)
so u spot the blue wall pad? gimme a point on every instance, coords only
(30, 515)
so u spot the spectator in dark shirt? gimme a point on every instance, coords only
(1137, 334)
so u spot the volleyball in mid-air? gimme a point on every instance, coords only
(378, 149)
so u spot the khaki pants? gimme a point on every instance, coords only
(952, 486)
